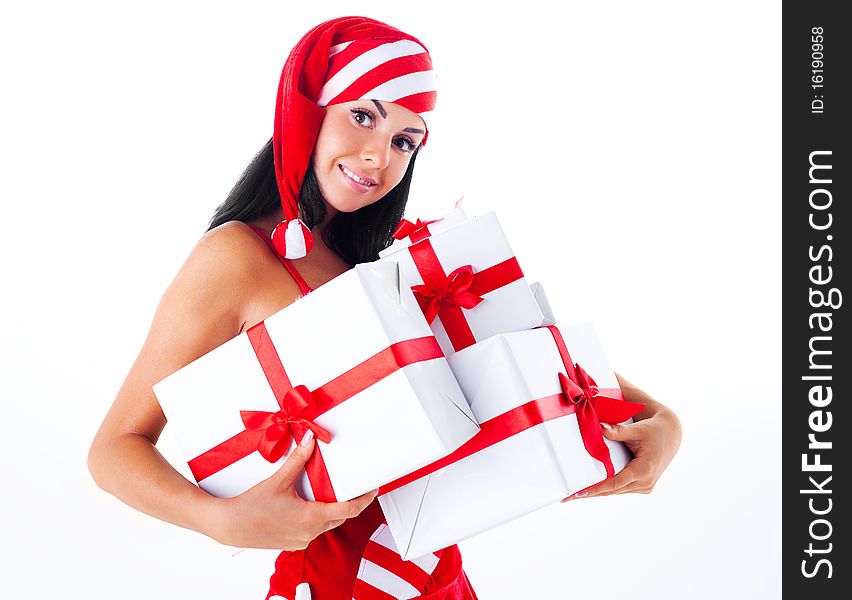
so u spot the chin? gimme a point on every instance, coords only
(348, 206)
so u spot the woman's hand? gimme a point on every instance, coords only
(653, 438)
(272, 515)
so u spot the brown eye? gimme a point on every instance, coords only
(362, 117)
(405, 144)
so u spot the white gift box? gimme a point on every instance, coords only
(403, 421)
(448, 221)
(481, 244)
(528, 470)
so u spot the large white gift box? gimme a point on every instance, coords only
(354, 358)
(534, 445)
(468, 283)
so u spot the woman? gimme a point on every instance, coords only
(351, 114)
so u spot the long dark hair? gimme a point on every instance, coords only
(356, 236)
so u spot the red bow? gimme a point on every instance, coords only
(407, 228)
(452, 290)
(592, 408)
(286, 424)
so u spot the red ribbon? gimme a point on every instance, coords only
(455, 290)
(445, 296)
(592, 405)
(270, 433)
(579, 396)
(280, 427)
(419, 230)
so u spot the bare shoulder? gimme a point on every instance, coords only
(231, 278)
(230, 236)
(221, 278)
(232, 247)
(202, 308)
(228, 278)
(204, 304)
(234, 256)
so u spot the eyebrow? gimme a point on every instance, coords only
(384, 114)
(381, 109)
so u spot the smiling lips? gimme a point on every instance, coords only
(361, 184)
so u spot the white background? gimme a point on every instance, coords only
(631, 149)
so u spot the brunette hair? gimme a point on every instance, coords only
(356, 236)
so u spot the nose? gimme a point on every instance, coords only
(377, 152)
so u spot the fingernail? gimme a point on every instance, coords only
(582, 494)
(309, 435)
(606, 426)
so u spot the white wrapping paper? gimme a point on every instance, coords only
(406, 420)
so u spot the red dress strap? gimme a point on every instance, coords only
(303, 287)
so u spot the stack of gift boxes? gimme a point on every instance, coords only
(436, 374)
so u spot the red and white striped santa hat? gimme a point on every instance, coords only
(342, 60)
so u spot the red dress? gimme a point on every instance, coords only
(332, 562)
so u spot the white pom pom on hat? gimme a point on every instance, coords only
(292, 239)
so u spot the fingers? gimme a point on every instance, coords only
(634, 487)
(333, 524)
(637, 487)
(340, 511)
(613, 485)
(626, 432)
(641, 473)
(286, 475)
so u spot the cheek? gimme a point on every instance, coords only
(324, 163)
(396, 171)
(332, 141)
(325, 152)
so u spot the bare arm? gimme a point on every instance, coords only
(202, 308)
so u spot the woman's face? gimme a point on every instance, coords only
(362, 151)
